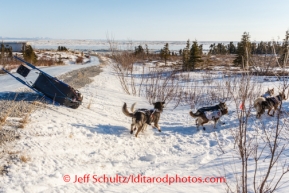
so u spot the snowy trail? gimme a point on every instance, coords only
(8, 83)
(63, 141)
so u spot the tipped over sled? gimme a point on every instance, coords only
(46, 85)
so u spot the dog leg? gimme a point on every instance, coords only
(269, 112)
(197, 124)
(201, 122)
(275, 108)
(258, 115)
(144, 128)
(158, 127)
(222, 123)
(132, 128)
(215, 123)
(140, 129)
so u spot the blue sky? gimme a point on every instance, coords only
(203, 20)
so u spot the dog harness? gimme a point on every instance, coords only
(213, 114)
(148, 113)
(275, 99)
(266, 95)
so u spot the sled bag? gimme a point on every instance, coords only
(23, 71)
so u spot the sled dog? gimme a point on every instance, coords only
(261, 104)
(142, 117)
(205, 114)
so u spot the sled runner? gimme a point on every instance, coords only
(49, 86)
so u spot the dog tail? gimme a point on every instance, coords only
(132, 107)
(259, 101)
(258, 104)
(125, 111)
(194, 114)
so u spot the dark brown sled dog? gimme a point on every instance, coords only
(142, 117)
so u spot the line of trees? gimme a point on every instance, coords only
(255, 48)
(245, 50)
(61, 48)
(221, 48)
(191, 55)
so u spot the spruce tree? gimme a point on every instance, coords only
(212, 49)
(165, 53)
(243, 52)
(254, 48)
(232, 48)
(10, 52)
(284, 51)
(2, 51)
(147, 50)
(201, 49)
(161, 53)
(195, 56)
(186, 55)
(138, 50)
(29, 54)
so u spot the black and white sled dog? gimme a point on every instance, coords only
(205, 114)
(142, 117)
(261, 104)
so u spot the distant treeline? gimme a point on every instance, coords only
(256, 48)
(192, 54)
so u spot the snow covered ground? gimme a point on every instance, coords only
(96, 141)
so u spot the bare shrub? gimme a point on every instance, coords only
(79, 60)
(5, 113)
(161, 85)
(25, 158)
(18, 108)
(259, 149)
(25, 118)
(4, 170)
(123, 66)
(46, 62)
(263, 64)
